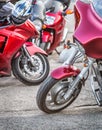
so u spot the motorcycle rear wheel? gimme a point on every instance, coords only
(24, 71)
(50, 95)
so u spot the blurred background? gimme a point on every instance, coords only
(13, 1)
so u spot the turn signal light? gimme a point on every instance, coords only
(69, 11)
(44, 26)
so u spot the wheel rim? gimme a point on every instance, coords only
(55, 98)
(31, 72)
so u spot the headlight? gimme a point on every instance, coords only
(81, 48)
(38, 24)
(86, 1)
(49, 20)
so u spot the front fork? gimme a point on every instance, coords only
(71, 57)
(81, 75)
(95, 75)
(27, 54)
(74, 55)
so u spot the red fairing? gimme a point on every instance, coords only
(47, 37)
(58, 20)
(54, 31)
(88, 29)
(16, 36)
(29, 27)
(65, 71)
(11, 40)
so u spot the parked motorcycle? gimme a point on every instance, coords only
(53, 32)
(64, 84)
(27, 62)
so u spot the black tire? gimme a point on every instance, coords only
(44, 89)
(19, 71)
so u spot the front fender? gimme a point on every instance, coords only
(32, 49)
(65, 71)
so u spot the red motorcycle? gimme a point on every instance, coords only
(53, 31)
(27, 62)
(65, 83)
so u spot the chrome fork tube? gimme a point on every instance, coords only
(71, 57)
(73, 86)
(28, 55)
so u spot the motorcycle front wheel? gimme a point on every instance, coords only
(50, 96)
(30, 74)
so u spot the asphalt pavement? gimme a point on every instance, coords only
(19, 111)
